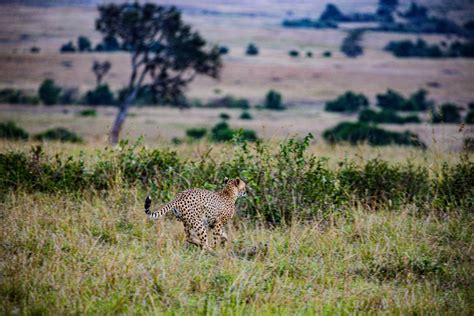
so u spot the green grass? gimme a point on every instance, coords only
(101, 255)
(86, 250)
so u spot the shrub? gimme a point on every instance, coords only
(224, 116)
(348, 102)
(221, 132)
(355, 133)
(48, 92)
(331, 13)
(84, 44)
(10, 130)
(196, 133)
(418, 101)
(60, 133)
(273, 101)
(327, 54)
(109, 44)
(88, 112)
(252, 50)
(309, 54)
(420, 48)
(308, 23)
(469, 117)
(14, 96)
(246, 116)
(35, 50)
(391, 100)
(101, 95)
(469, 144)
(293, 53)
(386, 116)
(448, 113)
(69, 96)
(351, 44)
(68, 48)
(230, 102)
(223, 50)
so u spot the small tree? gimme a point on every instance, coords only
(68, 48)
(273, 101)
(100, 69)
(48, 92)
(84, 44)
(163, 50)
(448, 113)
(252, 50)
(332, 13)
(348, 102)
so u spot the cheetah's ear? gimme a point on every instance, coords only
(226, 180)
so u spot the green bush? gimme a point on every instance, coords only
(393, 100)
(351, 46)
(84, 44)
(246, 116)
(448, 113)
(273, 101)
(196, 133)
(327, 54)
(469, 117)
(224, 116)
(386, 116)
(221, 132)
(284, 183)
(88, 112)
(9, 130)
(14, 96)
(355, 133)
(308, 23)
(348, 102)
(101, 95)
(48, 92)
(252, 50)
(60, 133)
(293, 53)
(68, 48)
(229, 102)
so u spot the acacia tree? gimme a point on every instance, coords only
(166, 54)
(100, 69)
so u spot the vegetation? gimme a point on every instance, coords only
(348, 102)
(245, 115)
(351, 46)
(308, 23)
(84, 44)
(386, 116)
(14, 96)
(332, 13)
(420, 48)
(221, 132)
(398, 235)
(48, 92)
(327, 54)
(196, 133)
(273, 101)
(60, 134)
(356, 133)
(229, 102)
(224, 116)
(9, 130)
(100, 69)
(252, 50)
(470, 114)
(88, 112)
(294, 53)
(392, 100)
(165, 50)
(101, 95)
(448, 113)
(68, 48)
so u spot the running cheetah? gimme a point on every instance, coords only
(200, 210)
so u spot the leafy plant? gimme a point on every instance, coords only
(196, 133)
(246, 116)
(9, 130)
(273, 101)
(49, 92)
(60, 133)
(348, 102)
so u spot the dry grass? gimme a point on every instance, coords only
(98, 255)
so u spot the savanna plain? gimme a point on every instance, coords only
(324, 229)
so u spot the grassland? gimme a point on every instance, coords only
(95, 252)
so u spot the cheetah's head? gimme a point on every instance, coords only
(236, 185)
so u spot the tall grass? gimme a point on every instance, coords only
(311, 237)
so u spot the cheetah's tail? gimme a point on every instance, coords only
(155, 215)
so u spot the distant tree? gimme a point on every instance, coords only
(224, 116)
(331, 13)
(386, 8)
(448, 113)
(109, 44)
(247, 116)
(327, 54)
(68, 48)
(348, 102)
(223, 50)
(416, 11)
(469, 117)
(273, 101)
(293, 53)
(101, 95)
(35, 50)
(309, 54)
(391, 100)
(252, 50)
(351, 46)
(196, 133)
(163, 49)
(100, 69)
(84, 44)
(48, 92)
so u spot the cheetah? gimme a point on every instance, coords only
(201, 210)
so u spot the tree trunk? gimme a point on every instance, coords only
(120, 118)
